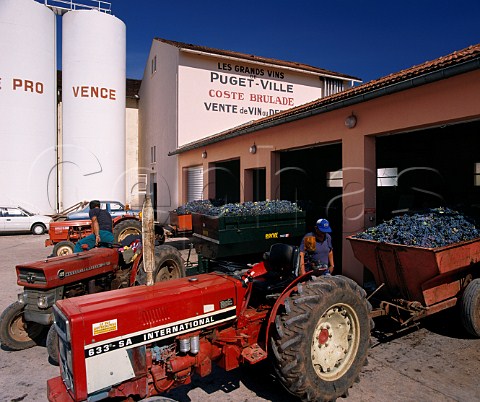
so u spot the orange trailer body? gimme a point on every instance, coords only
(426, 275)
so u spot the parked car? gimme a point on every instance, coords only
(17, 219)
(115, 208)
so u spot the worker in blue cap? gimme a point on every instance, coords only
(316, 251)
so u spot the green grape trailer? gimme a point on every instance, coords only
(236, 236)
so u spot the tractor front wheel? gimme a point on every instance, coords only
(15, 332)
(168, 265)
(52, 345)
(322, 338)
(64, 247)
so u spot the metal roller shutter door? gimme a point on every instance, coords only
(195, 183)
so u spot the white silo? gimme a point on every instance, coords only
(93, 95)
(28, 101)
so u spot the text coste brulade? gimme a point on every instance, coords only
(259, 79)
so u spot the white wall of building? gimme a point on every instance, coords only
(223, 93)
(132, 197)
(158, 125)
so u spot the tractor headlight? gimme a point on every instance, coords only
(45, 301)
(23, 297)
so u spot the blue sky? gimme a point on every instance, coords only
(365, 38)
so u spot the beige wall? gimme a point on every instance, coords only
(158, 125)
(132, 197)
(450, 100)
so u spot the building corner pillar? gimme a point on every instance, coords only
(359, 197)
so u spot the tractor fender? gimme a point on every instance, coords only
(122, 218)
(281, 300)
(134, 270)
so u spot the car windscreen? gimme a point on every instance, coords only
(26, 212)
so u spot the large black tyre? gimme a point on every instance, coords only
(168, 265)
(52, 345)
(15, 332)
(64, 247)
(470, 308)
(322, 338)
(127, 227)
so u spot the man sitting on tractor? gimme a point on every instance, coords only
(101, 225)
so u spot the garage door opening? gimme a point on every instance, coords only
(435, 168)
(227, 181)
(306, 178)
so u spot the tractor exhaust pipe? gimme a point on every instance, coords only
(148, 239)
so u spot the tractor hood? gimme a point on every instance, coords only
(107, 330)
(60, 271)
(209, 298)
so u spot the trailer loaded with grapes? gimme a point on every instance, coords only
(422, 264)
(241, 232)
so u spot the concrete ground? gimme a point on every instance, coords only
(437, 362)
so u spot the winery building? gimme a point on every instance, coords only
(400, 143)
(190, 92)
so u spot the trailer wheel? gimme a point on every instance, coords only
(127, 227)
(52, 345)
(470, 308)
(64, 247)
(15, 332)
(322, 341)
(168, 265)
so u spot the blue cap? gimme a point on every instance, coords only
(323, 226)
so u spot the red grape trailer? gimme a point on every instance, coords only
(417, 281)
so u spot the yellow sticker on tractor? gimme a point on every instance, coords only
(104, 327)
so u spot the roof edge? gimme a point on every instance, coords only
(257, 59)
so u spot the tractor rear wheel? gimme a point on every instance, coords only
(322, 339)
(15, 332)
(52, 345)
(470, 308)
(64, 247)
(125, 228)
(168, 265)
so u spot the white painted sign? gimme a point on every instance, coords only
(215, 95)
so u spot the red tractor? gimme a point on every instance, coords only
(63, 235)
(44, 282)
(141, 342)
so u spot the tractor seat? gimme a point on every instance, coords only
(281, 264)
(281, 258)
